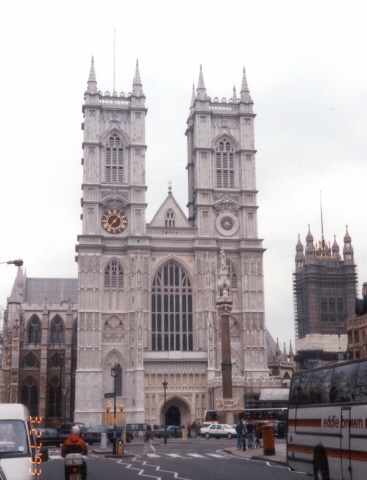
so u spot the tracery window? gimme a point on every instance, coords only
(34, 331)
(30, 361)
(172, 309)
(224, 157)
(29, 395)
(114, 160)
(57, 331)
(169, 221)
(113, 276)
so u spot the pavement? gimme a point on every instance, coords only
(136, 446)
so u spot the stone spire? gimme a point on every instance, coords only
(92, 81)
(137, 85)
(291, 355)
(348, 251)
(335, 249)
(193, 95)
(277, 350)
(201, 90)
(245, 92)
(234, 96)
(310, 247)
(300, 257)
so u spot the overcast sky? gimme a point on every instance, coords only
(306, 70)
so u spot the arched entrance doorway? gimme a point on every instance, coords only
(173, 416)
(177, 412)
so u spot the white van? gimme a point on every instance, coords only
(19, 454)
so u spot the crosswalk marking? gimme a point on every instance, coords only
(174, 455)
(215, 455)
(195, 455)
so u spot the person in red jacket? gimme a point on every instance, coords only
(75, 444)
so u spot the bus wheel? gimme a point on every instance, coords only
(321, 469)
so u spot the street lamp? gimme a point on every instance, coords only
(165, 385)
(115, 371)
(17, 263)
(61, 362)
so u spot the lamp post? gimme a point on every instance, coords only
(61, 361)
(115, 373)
(17, 263)
(165, 384)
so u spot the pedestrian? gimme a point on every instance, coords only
(250, 434)
(189, 430)
(239, 430)
(193, 429)
(148, 440)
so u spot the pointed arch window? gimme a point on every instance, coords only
(57, 331)
(54, 397)
(172, 310)
(114, 167)
(232, 275)
(225, 171)
(34, 331)
(29, 395)
(169, 221)
(114, 276)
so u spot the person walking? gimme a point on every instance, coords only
(250, 434)
(239, 430)
(148, 440)
(193, 429)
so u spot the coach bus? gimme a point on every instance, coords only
(327, 421)
(260, 414)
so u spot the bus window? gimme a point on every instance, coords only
(210, 416)
(343, 383)
(300, 389)
(361, 384)
(320, 386)
(294, 391)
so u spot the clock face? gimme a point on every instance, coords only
(114, 220)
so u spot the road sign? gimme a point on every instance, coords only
(109, 395)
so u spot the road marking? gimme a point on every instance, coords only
(195, 455)
(215, 455)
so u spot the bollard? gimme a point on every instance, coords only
(268, 439)
(184, 434)
(104, 441)
(120, 447)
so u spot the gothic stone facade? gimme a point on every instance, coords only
(145, 297)
(147, 292)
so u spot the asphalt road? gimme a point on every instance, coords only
(196, 460)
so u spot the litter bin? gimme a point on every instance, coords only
(104, 441)
(120, 447)
(268, 439)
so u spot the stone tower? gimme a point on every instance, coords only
(147, 291)
(113, 226)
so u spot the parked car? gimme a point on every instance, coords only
(204, 429)
(49, 436)
(65, 428)
(218, 430)
(172, 431)
(94, 434)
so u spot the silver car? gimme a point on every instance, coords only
(218, 430)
